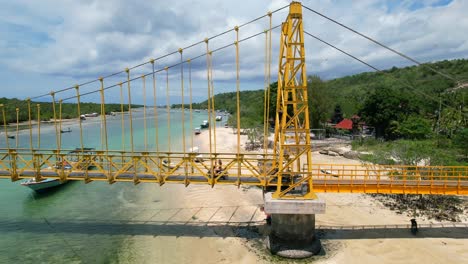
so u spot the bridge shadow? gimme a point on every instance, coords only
(457, 231)
(248, 230)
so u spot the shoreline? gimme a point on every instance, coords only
(356, 228)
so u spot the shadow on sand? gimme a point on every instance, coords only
(247, 230)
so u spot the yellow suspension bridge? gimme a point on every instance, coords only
(288, 168)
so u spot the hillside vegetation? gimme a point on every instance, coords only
(400, 97)
(411, 103)
(69, 110)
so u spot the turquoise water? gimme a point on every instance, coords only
(92, 132)
(67, 224)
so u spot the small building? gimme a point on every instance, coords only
(346, 124)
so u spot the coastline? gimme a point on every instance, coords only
(197, 215)
(355, 228)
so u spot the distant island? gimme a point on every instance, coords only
(69, 110)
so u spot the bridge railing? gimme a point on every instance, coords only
(373, 178)
(227, 168)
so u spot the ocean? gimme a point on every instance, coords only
(70, 224)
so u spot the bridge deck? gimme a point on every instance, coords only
(320, 183)
(244, 169)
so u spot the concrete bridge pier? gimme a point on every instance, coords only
(293, 226)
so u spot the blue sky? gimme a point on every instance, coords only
(49, 45)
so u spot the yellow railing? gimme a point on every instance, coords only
(243, 169)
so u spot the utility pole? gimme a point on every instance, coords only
(438, 119)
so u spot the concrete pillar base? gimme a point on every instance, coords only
(293, 249)
(293, 227)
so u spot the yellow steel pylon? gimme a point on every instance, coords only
(292, 140)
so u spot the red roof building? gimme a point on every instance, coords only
(345, 124)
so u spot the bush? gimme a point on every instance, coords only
(414, 127)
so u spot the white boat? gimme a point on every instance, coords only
(205, 124)
(166, 164)
(198, 157)
(91, 115)
(219, 118)
(197, 131)
(42, 185)
(73, 161)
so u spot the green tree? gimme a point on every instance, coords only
(460, 140)
(337, 115)
(318, 101)
(414, 127)
(383, 108)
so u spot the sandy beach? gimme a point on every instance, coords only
(200, 224)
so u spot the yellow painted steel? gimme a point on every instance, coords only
(122, 120)
(288, 170)
(145, 167)
(292, 139)
(17, 127)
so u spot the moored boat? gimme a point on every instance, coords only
(168, 164)
(66, 131)
(42, 185)
(78, 159)
(205, 124)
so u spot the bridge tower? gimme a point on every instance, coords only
(292, 137)
(292, 208)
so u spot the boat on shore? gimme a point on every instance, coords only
(205, 124)
(197, 131)
(198, 156)
(168, 164)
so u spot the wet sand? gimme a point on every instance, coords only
(200, 224)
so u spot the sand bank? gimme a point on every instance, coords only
(200, 224)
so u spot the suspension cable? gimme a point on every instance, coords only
(155, 109)
(183, 115)
(103, 116)
(213, 108)
(268, 88)
(382, 45)
(5, 126)
(238, 103)
(60, 126)
(77, 88)
(122, 120)
(212, 170)
(265, 128)
(17, 127)
(38, 126)
(375, 68)
(173, 65)
(132, 148)
(161, 57)
(168, 110)
(30, 124)
(52, 94)
(6, 135)
(183, 105)
(144, 114)
(191, 109)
